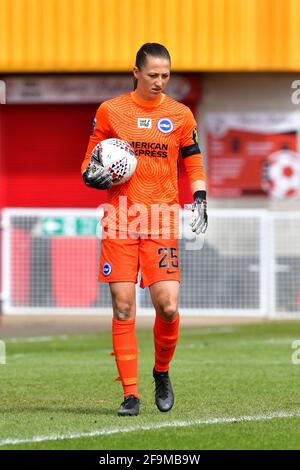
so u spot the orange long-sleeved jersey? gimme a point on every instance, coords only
(159, 130)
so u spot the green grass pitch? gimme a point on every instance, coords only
(235, 388)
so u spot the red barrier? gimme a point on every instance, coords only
(74, 271)
(20, 266)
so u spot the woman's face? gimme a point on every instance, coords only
(152, 77)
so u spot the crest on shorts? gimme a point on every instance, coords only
(107, 269)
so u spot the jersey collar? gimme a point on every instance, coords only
(147, 103)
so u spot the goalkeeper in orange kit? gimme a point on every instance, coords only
(160, 130)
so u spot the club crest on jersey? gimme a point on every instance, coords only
(106, 269)
(144, 123)
(165, 125)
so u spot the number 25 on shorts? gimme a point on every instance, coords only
(168, 258)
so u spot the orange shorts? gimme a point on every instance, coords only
(157, 260)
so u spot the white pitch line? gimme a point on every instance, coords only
(151, 427)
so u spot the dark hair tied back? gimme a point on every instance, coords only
(150, 48)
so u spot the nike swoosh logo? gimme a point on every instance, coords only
(170, 271)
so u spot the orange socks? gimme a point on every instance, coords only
(125, 351)
(165, 340)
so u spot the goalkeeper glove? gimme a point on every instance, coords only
(96, 177)
(199, 207)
